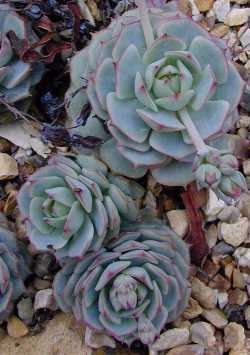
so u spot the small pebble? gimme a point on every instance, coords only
(237, 17)
(242, 255)
(43, 264)
(234, 336)
(192, 349)
(238, 279)
(211, 235)
(223, 248)
(239, 352)
(25, 310)
(204, 5)
(8, 167)
(247, 316)
(178, 221)
(234, 233)
(171, 338)
(206, 296)
(246, 167)
(221, 9)
(222, 299)
(202, 333)
(41, 284)
(215, 317)
(237, 296)
(16, 328)
(45, 299)
(193, 309)
(229, 214)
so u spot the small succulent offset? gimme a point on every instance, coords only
(16, 77)
(74, 206)
(13, 269)
(167, 89)
(131, 289)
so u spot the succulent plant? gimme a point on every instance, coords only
(16, 77)
(131, 289)
(73, 206)
(14, 270)
(167, 89)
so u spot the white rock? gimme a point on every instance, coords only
(234, 336)
(45, 299)
(202, 333)
(171, 338)
(245, 38)
(221, 9)
(214, 205)
(234, 233)
(98, 340)
(215, 317)
(246, 165)
(178, 221)
(222, 299)
(242, 255)
(237, 17)
(206, 296)
(8, 167)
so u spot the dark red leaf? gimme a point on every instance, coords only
(45, 24)
(196, 237)
(74, 8)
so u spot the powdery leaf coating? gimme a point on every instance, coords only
(73, 206)
(131, 289)
(141, 92)
(16, 76)
(14, 270)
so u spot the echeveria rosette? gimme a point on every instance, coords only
(14, 262)
(72, 206)
(218, 170)
(16, 76)
(131, 289)
(161, 92)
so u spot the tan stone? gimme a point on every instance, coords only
(60, 337)
(220, 30)
(187, 350)
(237, 17)
(171, 338)
(235, 233)
(234, 336)
(237, 296)
(215, 317)
(8, 167)
(238, 279)
(206, 296)
(202, 333)
(16, 328)
(193, 309)
(178, 221)
(204, 5)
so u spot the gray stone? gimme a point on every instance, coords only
(25, 310)
(202, 333)
(171, 338)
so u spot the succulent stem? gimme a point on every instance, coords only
(145, 22)
(201, 147)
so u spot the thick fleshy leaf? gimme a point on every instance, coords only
(185, 77)
(117, 163)
(60, 159)
(174, 174)
(126, 69)
(119, 199)
(162, 45)
(151, 72)
(99, 218)
(47, 241)
(131, 34)
(92, 186)
(97, 176)
(5, 50)
(95, 47)
(209, 120)
(124, 116)
(95, 103)
(17, 72)
(110, 272)
(184, 29)
(62, 195)
(36, 215)
(175, 102)
(142, 94)
(81, 192)
(204, 88)
(91, 162)
(171, 144)
(81, 241)
(74, 220)
(161, 121)
(39, 185)
(123, 140)
(105, 81)
(207, 53)
(225, 91)
(186, 58)
(114, 219)
(151, 158)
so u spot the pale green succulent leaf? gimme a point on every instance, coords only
(171, 144)
(204, 87)
(95, 103)
(186, 78)
(37, 217)
(174, 174)
(38, 186)
(105, 81)
(142, 93)
(62, 195)
(81, 241)
(161, 46)
(150, 158)
(129, 64)
(175, 102)
(18, 71)
(114, 219)
(97, 176)
(6, 51)
(74, 220)
(124, 116)
(81, 192)
(91, 162)
(161, 121)
(99, 217)
(92, 186)
(207, 53)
